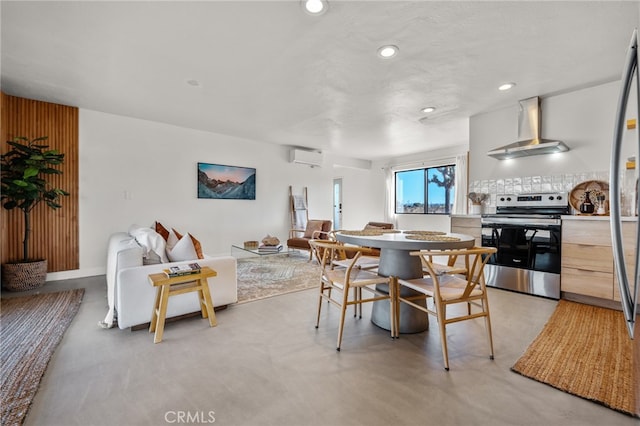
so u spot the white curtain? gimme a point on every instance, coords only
(460, 200)
(390, 199)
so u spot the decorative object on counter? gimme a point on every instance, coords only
(477, 198)
(589, 197)
(586, 207)
(602, 208)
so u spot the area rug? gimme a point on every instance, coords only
(268, 276)
(30, 329)
(584, 350)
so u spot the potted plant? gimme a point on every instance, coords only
(25, 168)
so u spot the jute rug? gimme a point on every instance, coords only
(30, 329)
(584, 350)
(268, 276)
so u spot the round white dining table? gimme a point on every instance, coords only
(396, 261)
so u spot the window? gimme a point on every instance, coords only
(426, 191)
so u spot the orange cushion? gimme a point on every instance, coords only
(197, 246)
(162, 231)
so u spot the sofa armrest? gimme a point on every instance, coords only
(123, 252)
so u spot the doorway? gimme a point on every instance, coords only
(337, 203)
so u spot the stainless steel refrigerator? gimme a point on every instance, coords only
(629, 288)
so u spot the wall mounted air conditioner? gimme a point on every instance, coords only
(310, 158)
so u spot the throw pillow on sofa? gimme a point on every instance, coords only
(173, 237)
(194, 240)
(172, 240)
(162, 230)
(183, 250)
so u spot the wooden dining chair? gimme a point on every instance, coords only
(449, 267)
(447, 289)
(344, 279)
(341, 258)
(369, 261)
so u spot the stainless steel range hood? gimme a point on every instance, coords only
(529, 142)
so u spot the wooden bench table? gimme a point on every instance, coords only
(171, 286)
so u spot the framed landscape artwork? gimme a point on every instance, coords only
(219, 181)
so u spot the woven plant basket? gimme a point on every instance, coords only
(24, 276)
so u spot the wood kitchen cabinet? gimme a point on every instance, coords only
(467, 225)
(587, 258)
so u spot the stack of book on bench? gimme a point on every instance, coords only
(270, 249)
(180, 270)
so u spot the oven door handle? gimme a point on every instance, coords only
(496, 237)
(520, 221)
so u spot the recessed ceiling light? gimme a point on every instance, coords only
(315, 7)
(388, 51)
(506, 86)
(427, 110)
(194, 83)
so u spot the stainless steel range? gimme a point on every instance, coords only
(526, 230)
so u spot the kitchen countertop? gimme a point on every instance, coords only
(596, 217)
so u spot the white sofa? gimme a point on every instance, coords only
(131, 297)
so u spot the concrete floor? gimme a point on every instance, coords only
(266, 364)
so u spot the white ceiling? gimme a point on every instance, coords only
(270, 72)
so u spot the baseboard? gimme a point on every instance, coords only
(590, 300)
(76, 273)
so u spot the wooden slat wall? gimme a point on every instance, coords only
(54, 233)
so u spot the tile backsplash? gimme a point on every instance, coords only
(530, 184)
